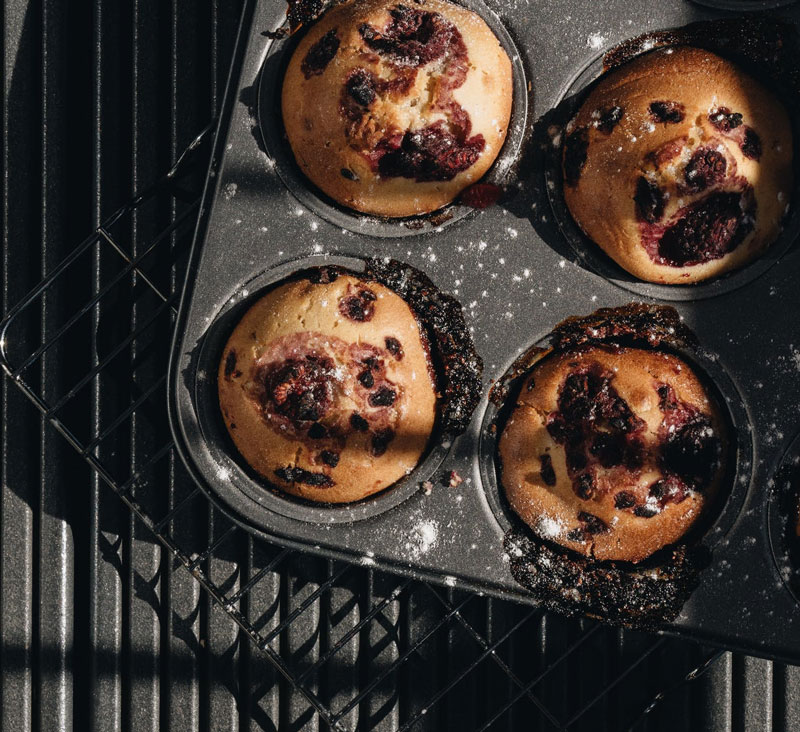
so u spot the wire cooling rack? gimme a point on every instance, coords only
(355, 649)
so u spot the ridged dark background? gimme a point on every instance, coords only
(98, 630)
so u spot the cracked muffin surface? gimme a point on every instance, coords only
(612, 452)
(327, 389)
(394, 108)
(679, 166)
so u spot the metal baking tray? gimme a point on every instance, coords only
(518, 270)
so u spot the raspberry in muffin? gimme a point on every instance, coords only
(679, 166)
(612, 452)
(394, 108)
(327, 389)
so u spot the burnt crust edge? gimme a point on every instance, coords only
(642, 596)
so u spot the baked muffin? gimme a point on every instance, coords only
(679, 166)
(393, 109)
(612, 452)
(326, 388)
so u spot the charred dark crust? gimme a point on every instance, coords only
(644, 597)
(766, 42)
(633, 324)
(456, 362)
(305, 12)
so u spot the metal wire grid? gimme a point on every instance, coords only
(354, 648)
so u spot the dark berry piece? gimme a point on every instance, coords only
(358, 423)
(320, 54)
(751, 144)
(384, 396)
(645, 511)
(584, 486)
(302, 389)
(412, 37)
(547, 472)
(433, 153)
(609, 118)
(366, 379)
(349, 174)
(331, 459)
(705, 168)
(576, 147)
(667, 112)
(361, 87)
(649, 200)
(593, 524)
(298, 475)
(358, 307)
(394, 347)
(380, 441)
(708, 229)
(624, 499)
(577, 534)
(230, 364)
(724, 120)
(317, 431)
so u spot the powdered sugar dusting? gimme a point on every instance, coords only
(422, 539)
(595, 41)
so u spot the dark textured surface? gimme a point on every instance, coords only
(98, 628)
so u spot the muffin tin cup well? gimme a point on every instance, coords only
(514, 272)
(783, 513)
(719, 517)
(248, 492)
(271, 128)
(591, 256)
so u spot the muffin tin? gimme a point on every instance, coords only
(517, 274)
